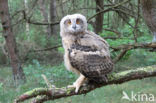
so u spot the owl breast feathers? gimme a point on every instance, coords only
(86, 53)
(89, 54)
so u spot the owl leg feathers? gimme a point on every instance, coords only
(77, 84)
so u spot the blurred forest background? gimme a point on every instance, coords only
(30, 45)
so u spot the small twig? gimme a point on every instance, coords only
(119, 57)
(125, 48)
(136, 23)
(105, 10)
(46, 81)
(114, 31)
(41, 23)
(124, 19)
(46, 49)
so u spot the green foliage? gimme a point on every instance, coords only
(37, 64)
(90, 27)
(57, 75)
(127, 36)
(61, 49)
(13, 5)
(35, 70)
(108, 94)
(1, 87)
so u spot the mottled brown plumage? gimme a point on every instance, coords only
(86, 53)
(89, 59)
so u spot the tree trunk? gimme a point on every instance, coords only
(99, 18)
(27, 24)
(149, 14)
(17, 70)
(45, 16)
(53, 17)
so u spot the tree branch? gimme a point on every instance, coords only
(134, 46)
(45, 94)
(47, 49)
(119, 57)
(125, 48)
(105, 10)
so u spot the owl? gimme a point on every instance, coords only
(86, 53)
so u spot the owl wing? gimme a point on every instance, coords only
(90, 61)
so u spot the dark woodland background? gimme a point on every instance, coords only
(30, 45)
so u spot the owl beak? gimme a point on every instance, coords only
(74, 27)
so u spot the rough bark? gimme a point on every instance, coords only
(99, 17)
(53, 17)
(149, 14)
(45, 94)
(17, 70)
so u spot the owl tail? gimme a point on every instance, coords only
(98, 80)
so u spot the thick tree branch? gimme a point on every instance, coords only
(134, 46)
(125, 48)
(45, 94)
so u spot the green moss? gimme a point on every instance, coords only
(36, 91)
(69, 90)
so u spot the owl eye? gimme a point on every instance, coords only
(69, 22)
(77, 21)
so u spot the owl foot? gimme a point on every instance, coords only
(77, 87)
(77, 84)
(73, 86)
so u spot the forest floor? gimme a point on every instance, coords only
(58, 76)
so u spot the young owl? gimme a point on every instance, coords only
(86, 53)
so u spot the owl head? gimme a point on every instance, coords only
(73, 24)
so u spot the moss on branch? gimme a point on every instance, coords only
(46, 94)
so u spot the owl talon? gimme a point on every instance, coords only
(71, 86)
(74, 86)
(77, 89)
